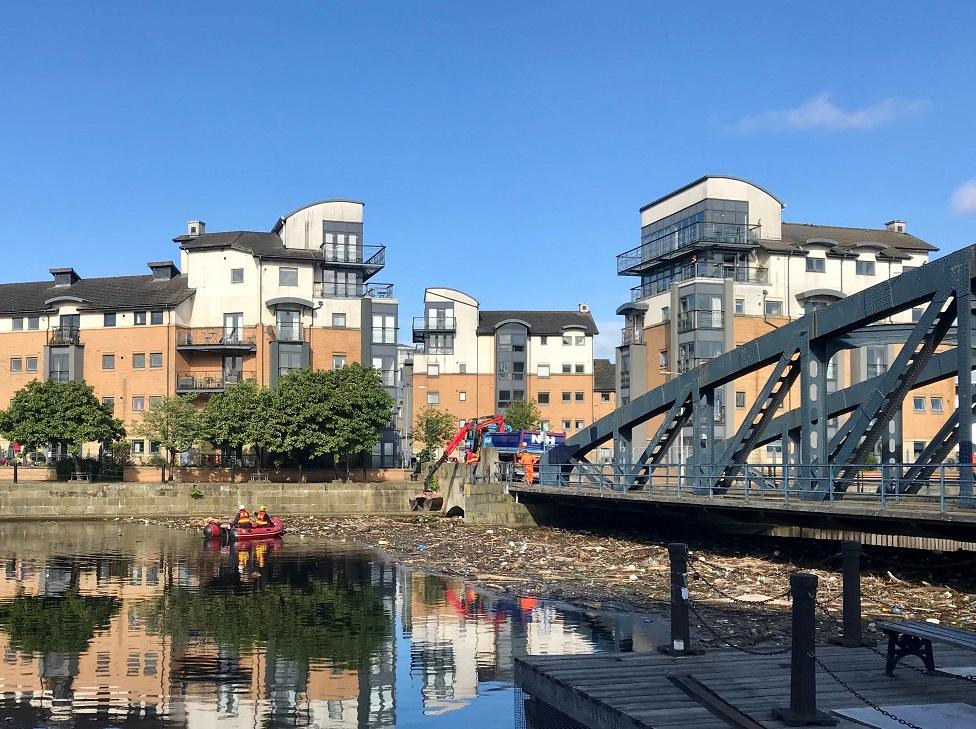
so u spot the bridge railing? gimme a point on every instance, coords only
(888, 486)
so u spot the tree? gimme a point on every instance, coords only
(298, 414)
(174, 423)
(522, 415)
(237, 416)
(433, 430)
(360, 408)
(64, 413)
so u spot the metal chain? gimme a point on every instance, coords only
(719, 638)
(726, 595)
(861, 697)
(968, 678)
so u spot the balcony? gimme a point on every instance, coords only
(686, 365)
(64, 336)
(212, 381)
(333, 290)
(212, 339)
(644, 256)
(288, 333)
(629, 335)
(738, 274)
(370, 259)
(699, 319)
(423, 326)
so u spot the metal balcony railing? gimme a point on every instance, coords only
(289, 333)
(218, 337)
(700, 319)
(686, 365)
(758, 275)
(370, 257)
(64, 335)
(629, 335)
(335, 290)
(422, 326)
(210, 381)
(733, 234)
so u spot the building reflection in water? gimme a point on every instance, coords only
(121, 626)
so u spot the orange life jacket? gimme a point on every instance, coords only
(262, 518)
(243, 517)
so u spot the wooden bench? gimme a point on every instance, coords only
(258, 476)
(78, 476)
(909, 638)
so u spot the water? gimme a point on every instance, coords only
(111, 625)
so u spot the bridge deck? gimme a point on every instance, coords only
(633, 691)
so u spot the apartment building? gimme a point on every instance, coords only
(241, 305)
(474, 362)
(718, 267)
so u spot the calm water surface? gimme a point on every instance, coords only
(103, 625)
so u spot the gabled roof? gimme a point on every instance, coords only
(114, 292)
(540, 323)
(266, 245)
(604, 375)
(842, 241)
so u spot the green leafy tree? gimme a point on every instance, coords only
(63, 413)
(237, 417)
(298, 415)
(174, 423)
(433, 430)
(360, 408)
(523, 415)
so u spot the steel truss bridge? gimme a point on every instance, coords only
(816, 467)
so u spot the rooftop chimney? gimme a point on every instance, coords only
(64, 276)
(584, 308)
(163, 270)
(897, 226)
(196, 227)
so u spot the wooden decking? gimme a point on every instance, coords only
(633, 690)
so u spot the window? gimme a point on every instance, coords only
(816, 265)
(580, 341)
(605, 396)
(139, 318)
(665, 313)
(108, 361)
(439, 344)
(155, 360)
(877, 361)
(542, 398)
(156, 317)
(462, 395)
(544, 340)
(16, 364)
(338, 320)
(543, 370)
(33, 322)
(138, 361)
(384, 329)
(433, 369)
(917, 314)
(918, 404)
(236, 275)
(31, 364)
(17, 323)
(579, 369)
(153, 448)
(138, 404)
(287, 276)
(774, 308)
(138, 447)
(864, 268)
(567, 425)
(663, 359)
(935, 404)
(289, 358)
(338, 361)
(740, 306)
(433, 398)
(109, 404)
(108, 319)
(567, 340)
(567, 397)
(289, 325)
(579, 397)
(463, 368)
(155, 401)
(580, 424)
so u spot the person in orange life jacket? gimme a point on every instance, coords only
(527, 461)
(243, 518)
(262, 518)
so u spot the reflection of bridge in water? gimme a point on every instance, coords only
(827, 476)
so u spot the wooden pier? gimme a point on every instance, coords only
(643, 690)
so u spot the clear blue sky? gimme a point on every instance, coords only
(502, 149)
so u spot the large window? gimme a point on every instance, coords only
(439, 344)
(816, 265)
(864, 268)
(233, 327)
(340, 284)
(289, 323)
(774, 308)
(58, 367)
(877, 361)
(289, 358)
(384, 329)
(287, 276)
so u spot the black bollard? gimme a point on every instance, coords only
(680, 626)
(803, 666)
(15, 471)
(852, 638)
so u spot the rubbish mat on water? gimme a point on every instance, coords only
(532, 713)
(930, 716)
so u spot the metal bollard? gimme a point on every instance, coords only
(680, 624)
(852, 637)
(803, 666)
(15, 471)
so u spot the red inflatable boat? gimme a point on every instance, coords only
(226, 533)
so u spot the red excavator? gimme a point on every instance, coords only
(478, 427)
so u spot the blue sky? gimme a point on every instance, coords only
(501, 148)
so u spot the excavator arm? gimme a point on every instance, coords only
(478, 426)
